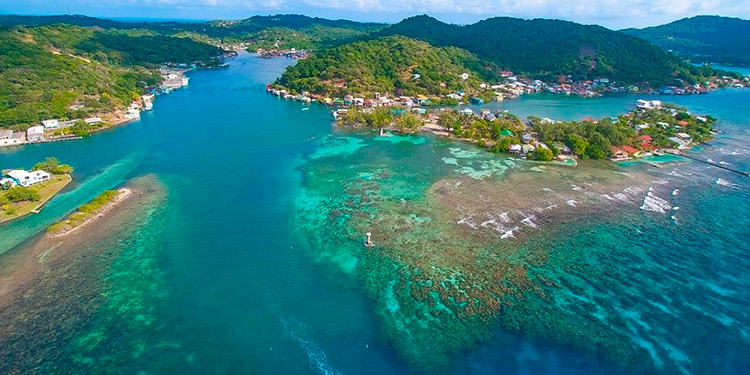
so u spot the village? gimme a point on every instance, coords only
(512, 87)
(59, 129)
(651, 128)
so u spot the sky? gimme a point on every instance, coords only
(615, 14)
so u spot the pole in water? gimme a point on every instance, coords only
(369, 243)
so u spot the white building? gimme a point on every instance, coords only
(51, 124)
(25, 178)
(10, 138)
(647, 104)
(35, 133)
(93, 120)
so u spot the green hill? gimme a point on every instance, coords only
(46, 69)
(703, 38)
(260, 31)
(550, 48)
(387, 65)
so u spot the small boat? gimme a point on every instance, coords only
(305, 109)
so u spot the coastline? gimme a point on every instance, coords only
(122, 195)
(40, 204)
(46, 256)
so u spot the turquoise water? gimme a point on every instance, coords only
(251, 261)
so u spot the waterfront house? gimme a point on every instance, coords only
(28, 178)
(618, 153)
(680, 142)
(10, 138)
(51, 124)
(631, 151)
(685, 137)
(467, 111)
(35, 133)
(515, 149)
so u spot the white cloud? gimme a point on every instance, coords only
(611, 13)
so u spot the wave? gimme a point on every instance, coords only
(655, 204)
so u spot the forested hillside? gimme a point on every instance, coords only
(259, 31)
(388, 65)
(46, 69)
(703, 38)
(550, 48)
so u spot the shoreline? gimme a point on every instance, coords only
(122, 195)
(43, 257)
(41, 203)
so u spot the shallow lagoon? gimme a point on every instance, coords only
(254, 263)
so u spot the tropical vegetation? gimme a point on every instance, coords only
(387, 65)
(702, 38)
(553, 49)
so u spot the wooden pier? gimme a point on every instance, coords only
(717, 165)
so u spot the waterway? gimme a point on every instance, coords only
(250, 259)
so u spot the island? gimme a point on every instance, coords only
(23, 192)
(89, 212)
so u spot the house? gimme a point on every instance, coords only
(618, 153)
(647, 104)
(515, 149)
(10, 138)
(527, 149)
(467, 111)
(526, 138)
(35, 133)
(640, 127)
(680, 142)
(51, 124)
(464, 76)
(631, 151)
(25, 178)
(92, 120)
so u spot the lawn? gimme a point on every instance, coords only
(46, 190)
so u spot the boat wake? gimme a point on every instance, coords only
(296, 331)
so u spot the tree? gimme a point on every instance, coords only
(542, 154)
(408, 123)
(48, 165)
(22, 193)
(599, 147)
(503, 145)
(577, 144)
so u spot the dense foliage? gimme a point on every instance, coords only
(52, 165)
(386, 65)
(22, 194)
(548, 49)
(259, 31)
(703, 38)
(46, 69)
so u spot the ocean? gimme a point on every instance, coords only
(250, 257)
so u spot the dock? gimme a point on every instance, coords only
(717, 165)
